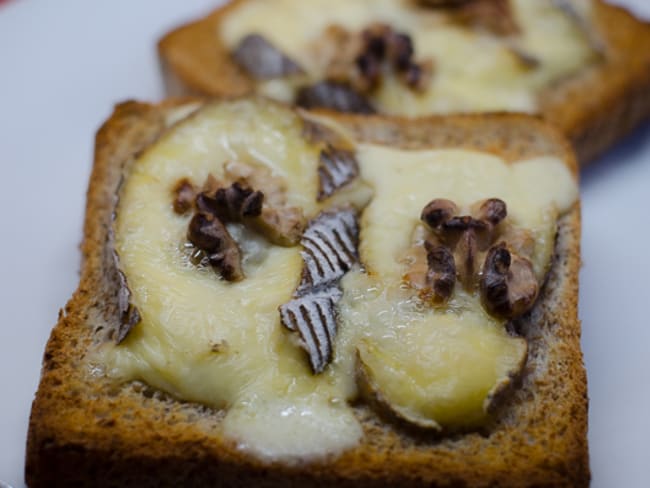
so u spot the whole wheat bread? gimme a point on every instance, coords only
(594, 108)
(86, 430)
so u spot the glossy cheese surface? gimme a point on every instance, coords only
(222, 344)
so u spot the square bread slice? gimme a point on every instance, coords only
(86, 429)
(594, 106)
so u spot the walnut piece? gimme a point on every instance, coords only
(234, 203)
(233, 200)
(508, 285)
(184, 195)
(382, 48)
(491, 210)
(438, 211)
(209, 234)
(274, 187)
(265, 212)
(431, 267)
(468, 235)
(282, 226)
(355, 64)
(454, 247)
(441, 274)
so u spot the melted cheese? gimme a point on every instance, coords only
(474, 71)
(534, 191)
(222, 344)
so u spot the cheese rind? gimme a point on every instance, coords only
(442, 367)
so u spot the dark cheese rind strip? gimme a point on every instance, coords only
(262, 60)
(336, 168)
(313, 316)
(335, 96)
(329, 251)
(129, 315)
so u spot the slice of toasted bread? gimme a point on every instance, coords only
(594, 107)
(87, 430)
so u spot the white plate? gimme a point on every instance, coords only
(63, 66)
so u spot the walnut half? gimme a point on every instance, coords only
(454, 247)
(508, 285)
(222, 202)
(209, 234)
(465, 236)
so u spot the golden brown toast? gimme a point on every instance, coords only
(594, 107)
(87, 430)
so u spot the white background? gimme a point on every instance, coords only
(63, 64)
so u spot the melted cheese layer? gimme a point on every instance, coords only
(222, 344)
(473, 71)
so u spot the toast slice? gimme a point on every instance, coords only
(87, 429)
(594, 105)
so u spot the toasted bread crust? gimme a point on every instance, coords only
(193, 62)
(87, 431)
(594, 109)
(601, 105)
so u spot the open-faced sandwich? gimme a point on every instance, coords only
(273, 297)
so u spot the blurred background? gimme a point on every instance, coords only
(63, 65)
